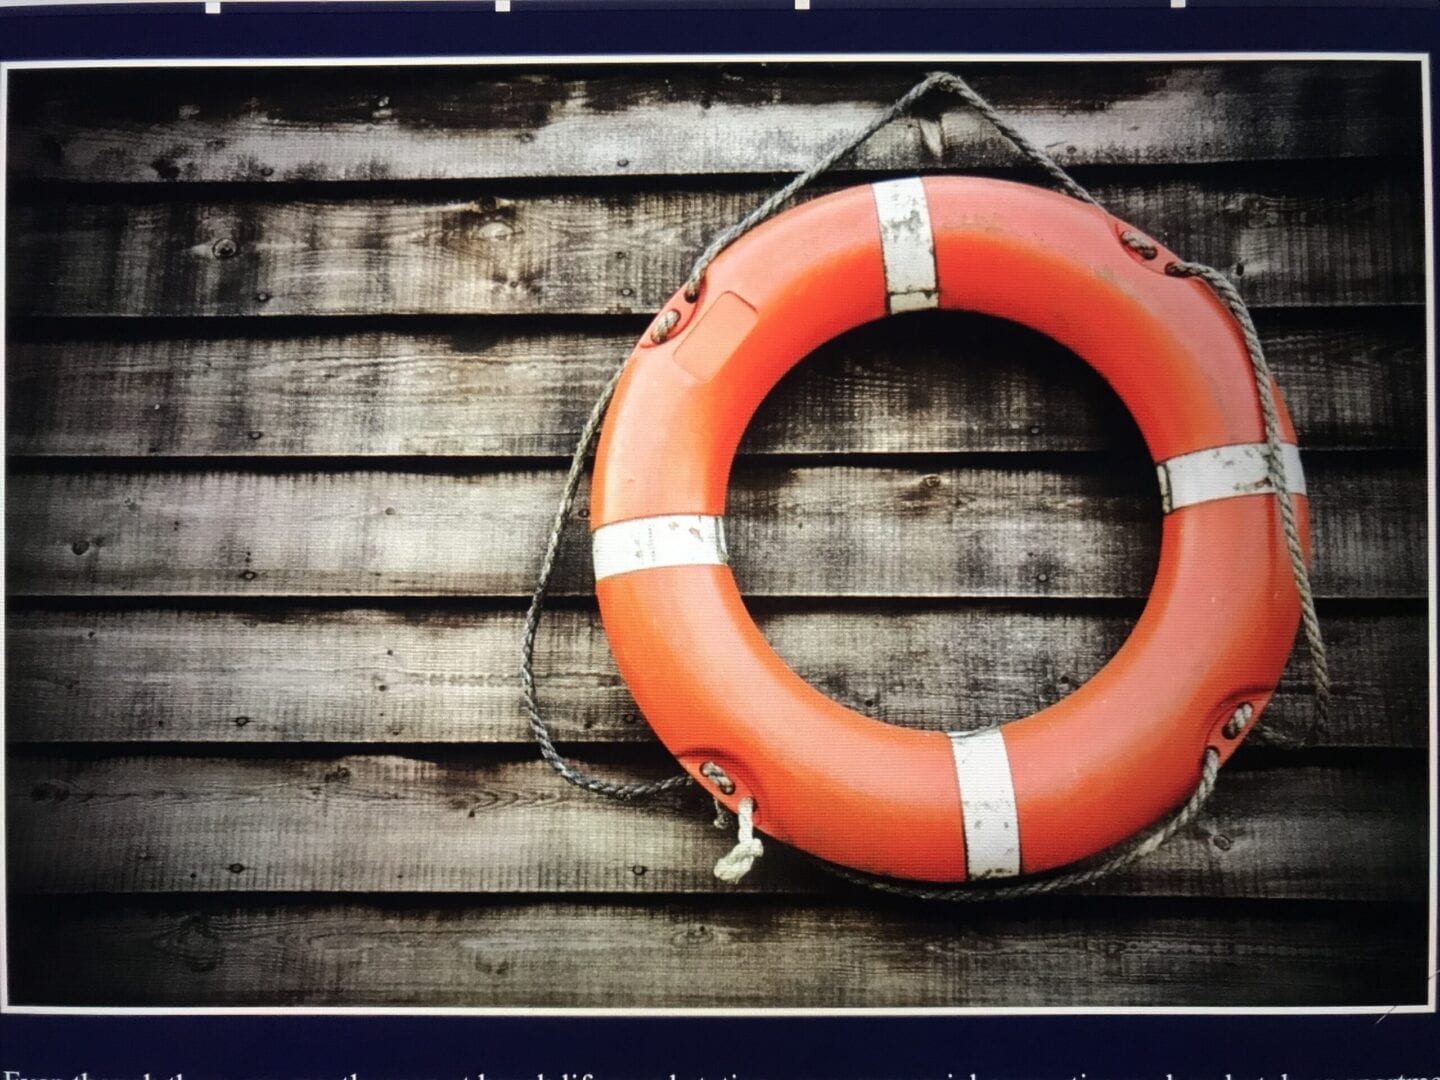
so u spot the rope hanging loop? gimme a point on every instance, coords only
(628, 528)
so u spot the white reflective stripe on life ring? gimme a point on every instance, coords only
(907, 245)
(669, 540)
(987, 804)
(1224, 472)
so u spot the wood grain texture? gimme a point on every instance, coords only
(482, 122)
(265, 744)
(1334, 236)
(970, 530)
(404, 824)
(930, 384)
(366, 675)
(621, 954)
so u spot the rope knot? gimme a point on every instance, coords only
(737, 863)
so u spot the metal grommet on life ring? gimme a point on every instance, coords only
(1032, 794)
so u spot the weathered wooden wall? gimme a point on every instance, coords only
(294, 360)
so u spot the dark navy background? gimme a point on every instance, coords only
(911, 1048)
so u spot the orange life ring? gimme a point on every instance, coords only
(1067, 782)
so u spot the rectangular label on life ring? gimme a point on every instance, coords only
(907, 245)
(987, 804)
(714, 338)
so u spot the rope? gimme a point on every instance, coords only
(538, 728)
(1082, 874)
(748, 848)
(901, 105)
(1275, 470)
(737, 862)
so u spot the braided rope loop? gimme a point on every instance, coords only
(1275, 472)
(1090, 870)
(1106, 862)
(538, 727)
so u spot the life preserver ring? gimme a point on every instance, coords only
(1119, 752)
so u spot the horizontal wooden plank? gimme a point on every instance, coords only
(939, 383)
(393, 824)
(968, 530)
(624, 954)
(414, 123)
(373, 676)
(1318, 237)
